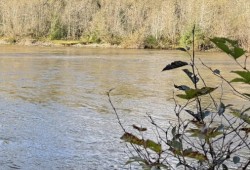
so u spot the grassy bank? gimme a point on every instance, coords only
(26, 41)
(126, 23)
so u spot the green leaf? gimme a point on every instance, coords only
(190, 154)
(235, 80)
(132, 139)
(175, 64)
(238, 52)
(196, 133)
(194, 154)
(245, 77)
(231, 47)
(153, 146)
(236, 159)
(204, 133)
(213, 134)
(175, 144)
(136, 159)
(238, 113)
(222, 46)
(193, 93)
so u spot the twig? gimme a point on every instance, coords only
(220, 76)
(114, 109)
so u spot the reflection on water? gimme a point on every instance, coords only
(54, 109)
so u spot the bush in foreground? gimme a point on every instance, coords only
(215, 134)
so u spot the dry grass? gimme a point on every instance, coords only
(130, 21)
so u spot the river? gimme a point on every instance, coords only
(55, 112)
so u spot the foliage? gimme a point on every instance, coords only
(91, 38)
(57, 30)
(113, 39)
(151, 42)
(201, 41)
(165, 21)
(11, 40)
(66, 42)
(231, 47)
(213, 136)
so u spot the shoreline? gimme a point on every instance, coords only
(26, 41)
(55, 43)
(31, 42)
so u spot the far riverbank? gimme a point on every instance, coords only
(54, 43)
(83, 44)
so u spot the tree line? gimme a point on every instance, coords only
(130, 23)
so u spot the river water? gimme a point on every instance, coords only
(55, 112)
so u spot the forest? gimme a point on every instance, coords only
(128, 23)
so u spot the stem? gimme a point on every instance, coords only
(193, 61)
(113, 107)
(199, 109)
(220, 76)
(243, 67)
(235, 130)
(247, 164)
(245, 63)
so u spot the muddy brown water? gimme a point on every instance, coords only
(54, 111)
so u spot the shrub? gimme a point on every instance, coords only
(92, 37)
(151, 42)
(134, 40)
(11, 40)
(214, 135)
(201, 42)
(57, 30)
(114, 39)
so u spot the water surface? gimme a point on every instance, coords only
(55, 112)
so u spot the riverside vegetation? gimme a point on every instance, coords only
(207, 135)
(127, 23)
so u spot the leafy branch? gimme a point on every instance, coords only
(203, 136)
